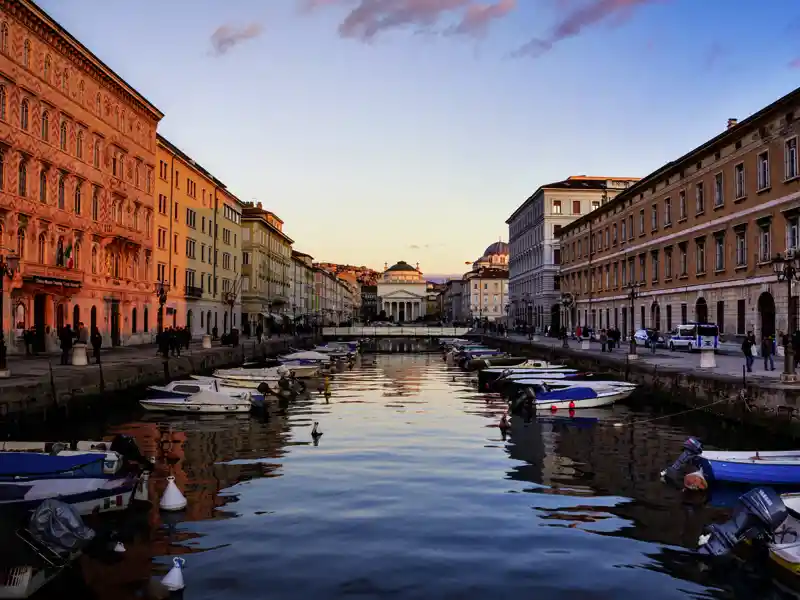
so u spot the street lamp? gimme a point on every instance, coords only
(567, 301)
(229, 298)
(161, 294)
(633, 293)
(787, 269)
(8, 265)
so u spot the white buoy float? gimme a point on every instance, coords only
(172, 498)
(119, 547)
(173, 580)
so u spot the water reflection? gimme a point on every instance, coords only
(413, 493)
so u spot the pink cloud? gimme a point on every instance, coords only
(578, 18)
(795, 64)
(368, 18)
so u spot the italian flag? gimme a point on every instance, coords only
(68, 256)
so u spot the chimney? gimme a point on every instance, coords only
(259, 205)
(732, 123)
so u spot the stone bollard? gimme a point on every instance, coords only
(206, 341)
(708, 360)
(79, 358)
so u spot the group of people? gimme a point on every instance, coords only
(68, 337)
(768, 349)
(608, 338)
(172, 339)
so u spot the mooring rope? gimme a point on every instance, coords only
(682, 412)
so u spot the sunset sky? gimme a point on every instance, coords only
(382, 130)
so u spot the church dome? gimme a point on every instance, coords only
(400, 266)
(496, 248)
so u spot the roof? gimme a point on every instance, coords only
(487, 273)
(727, 136)
(400, 266)
(574, 182)
(297, 253)
(186, 158)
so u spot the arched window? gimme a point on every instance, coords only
(60, 252)
(135, 268)
(133, 320)
(76, 256)
(26, 54)
(63, 139)
(81, 91)
(136, 220)
(95, 205)
(2, 170)
(43, 186)
(98, 104)
(4, 37)
(3, 102)
(61, 192)
(115, 265)
(122, 121)
(94, 260)
(96, 154)
(23, 114)
(45, 126)
(21, 243)
(23, 178)
(42, 249)
(79, 145)
(65, 81)
(77, 205)
(147, 223)
(47, 68)
(113, 212)
(116, 116)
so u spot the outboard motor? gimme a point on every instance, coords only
(692, 448)
(126, 446)
(756, 517)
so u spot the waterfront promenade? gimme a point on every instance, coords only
(123, 371)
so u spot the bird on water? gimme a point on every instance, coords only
(316, 434)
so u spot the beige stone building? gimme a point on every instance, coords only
(699, 235)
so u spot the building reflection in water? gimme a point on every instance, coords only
(192, 451)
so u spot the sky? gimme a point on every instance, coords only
(387, 130)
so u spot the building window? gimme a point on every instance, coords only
(719, 198)
(654, 217)
(683, 261)
(654, 265)
(700, 198)
(77, 206)
(4, 37)
(719, 253)
(614, 234)
(26, 54)
(95, 204)
(642, 267)
(624, 273)
(556, 207)
(764, 245)
(96, 154)
(682, 205)
(43, 186)
(21, 243)
(792, 233)
(624, 227)
(741, 249)
(667, 212)
(630, 227)
(23, 115)
(789, 157)
(79, 145)
(700, 255)
(641, 222)
(3, 102)
(595, 204)
(740, 317)
(42, 249)
(61, 191)
(738, 171)
(45, 126)
(576, 207)
(63, 138)
(23, 178)
(763, 170)
(667, 263)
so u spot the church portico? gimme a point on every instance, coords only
(402, 293)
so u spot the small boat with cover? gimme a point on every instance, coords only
(203, 402)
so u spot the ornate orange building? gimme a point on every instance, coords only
(77, 160)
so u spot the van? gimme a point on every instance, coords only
(692, 336)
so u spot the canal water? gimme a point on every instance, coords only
(412, 493)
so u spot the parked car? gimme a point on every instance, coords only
(642, 338)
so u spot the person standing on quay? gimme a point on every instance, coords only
(767, 351)
(66, 343)
(97, 342)
(747, 350)
(603, 340)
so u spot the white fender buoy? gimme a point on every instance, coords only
(119, 547)
(173, 580)
(172, 498)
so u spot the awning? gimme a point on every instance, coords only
(52, 281)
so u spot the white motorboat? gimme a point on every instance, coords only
(560, 384)
(86, 495)
(336, 352)
(187, 387)
(302, 370)
(540, 373)
(306, 356)
(571, 398)
(203, 402)
(527, 366)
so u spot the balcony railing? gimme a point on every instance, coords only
(192, 291)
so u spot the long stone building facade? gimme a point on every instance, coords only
(698, 236)
(77, 166)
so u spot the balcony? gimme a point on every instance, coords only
(51, 275)
(192, 291)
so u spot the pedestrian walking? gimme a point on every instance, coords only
(767, 351)
(97, 342)
(603, 340)
(747, 350)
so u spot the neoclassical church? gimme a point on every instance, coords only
(402, 292)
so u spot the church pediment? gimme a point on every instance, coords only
(401, 295)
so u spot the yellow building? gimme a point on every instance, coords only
(189, 226)
(266, 264)
(228, 257)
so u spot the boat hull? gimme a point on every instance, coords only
(770, 468)
(478, 364)
(598, 402)
(86, 495)
(179, 405)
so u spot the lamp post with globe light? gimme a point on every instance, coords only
(787, 269)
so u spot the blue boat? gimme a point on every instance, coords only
(27, 466)
(571, 398)
(752, 467)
